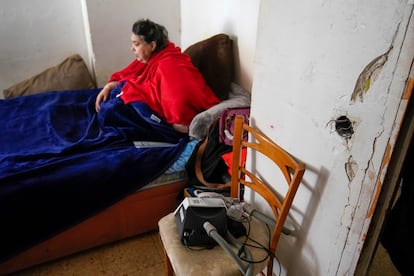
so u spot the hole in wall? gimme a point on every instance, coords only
(344, 127)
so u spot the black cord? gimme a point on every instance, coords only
(257, 246)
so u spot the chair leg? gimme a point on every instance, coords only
(167, 265)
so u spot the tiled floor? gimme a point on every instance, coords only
(141, 255)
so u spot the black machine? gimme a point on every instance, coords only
(191, 215)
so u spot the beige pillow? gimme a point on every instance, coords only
(70, 74)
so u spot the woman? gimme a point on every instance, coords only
(162, 77)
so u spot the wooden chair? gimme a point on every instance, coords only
(184, 261)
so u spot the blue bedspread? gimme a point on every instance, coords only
(61, 162)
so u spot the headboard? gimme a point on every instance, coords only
(215, 60)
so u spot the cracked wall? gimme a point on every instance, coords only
(335, 62)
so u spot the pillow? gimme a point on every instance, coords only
(70, 74)
(214, 59)
(238, 97)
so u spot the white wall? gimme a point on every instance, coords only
(237, 18)
(111, 27)
(309, 56)
(39, 34)
(36, 35)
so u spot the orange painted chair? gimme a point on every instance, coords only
(182, 260)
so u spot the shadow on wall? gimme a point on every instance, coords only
(293, 249)
(293, 253)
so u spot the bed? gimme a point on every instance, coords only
(129, 186)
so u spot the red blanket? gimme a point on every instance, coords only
(169, 84)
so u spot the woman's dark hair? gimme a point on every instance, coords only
(151, 31)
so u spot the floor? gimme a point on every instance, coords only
(142, 255)
(382, 265)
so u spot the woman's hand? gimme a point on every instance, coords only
(104, 94)
(181, 128)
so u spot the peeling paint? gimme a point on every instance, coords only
(373, 205)
(368, 76)
(378, 187)
(350, 168)
(371, 175)
(409, 90)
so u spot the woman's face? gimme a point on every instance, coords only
(142, 50)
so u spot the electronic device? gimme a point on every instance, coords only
(193, 212)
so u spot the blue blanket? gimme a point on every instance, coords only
(61, 162)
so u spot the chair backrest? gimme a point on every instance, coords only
(291, 169)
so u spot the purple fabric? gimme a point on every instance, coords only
(61, 162)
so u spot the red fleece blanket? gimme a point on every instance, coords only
(169, 84)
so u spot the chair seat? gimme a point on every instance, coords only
(213, 261)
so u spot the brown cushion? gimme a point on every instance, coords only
(214, 59)
(70, 74)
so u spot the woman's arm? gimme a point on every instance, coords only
(104, 94)
(130, 72)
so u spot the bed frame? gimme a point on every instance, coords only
(131, 216)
